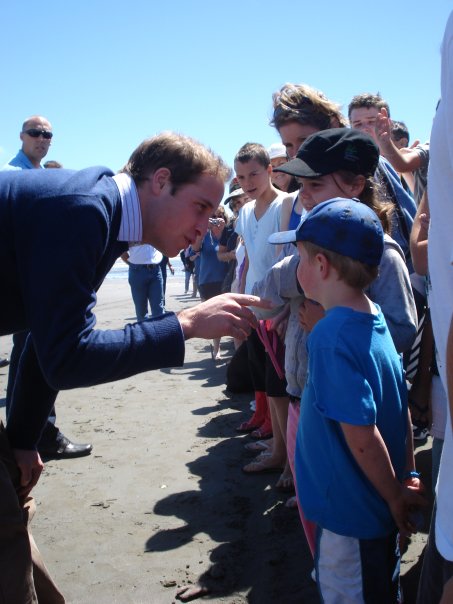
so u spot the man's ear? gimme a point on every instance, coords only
(159, 179)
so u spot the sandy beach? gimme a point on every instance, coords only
(162, 503)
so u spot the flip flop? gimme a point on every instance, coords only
(257, 446)
(246, 427)
(261, 434)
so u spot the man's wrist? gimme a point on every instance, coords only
(185, 323)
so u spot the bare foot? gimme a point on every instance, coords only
(262, 465)
(291, 503)
(191, 592)
(285, 483)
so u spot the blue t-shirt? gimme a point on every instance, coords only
(211, 270)
(354, 376)
(19, 162)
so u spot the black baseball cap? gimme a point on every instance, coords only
(331, 150)
(345, 226)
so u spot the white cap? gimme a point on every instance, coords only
(277, 150)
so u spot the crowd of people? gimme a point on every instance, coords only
(331, 271)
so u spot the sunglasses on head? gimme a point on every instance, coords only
(35, 132)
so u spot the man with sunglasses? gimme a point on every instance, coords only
(36, 137)
(34, 148)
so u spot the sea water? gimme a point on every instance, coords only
(120, 269)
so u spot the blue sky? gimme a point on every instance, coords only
(109, 74)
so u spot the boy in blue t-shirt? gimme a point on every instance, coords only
(352, 451)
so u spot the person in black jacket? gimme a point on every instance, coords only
(60, 233)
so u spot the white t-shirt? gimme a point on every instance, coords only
(144, 254)
(255, 233)
(440, 256)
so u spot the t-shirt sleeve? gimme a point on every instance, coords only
(239, 227)
(341, 391)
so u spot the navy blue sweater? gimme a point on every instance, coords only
(58, 240)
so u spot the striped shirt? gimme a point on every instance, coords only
(131, 228)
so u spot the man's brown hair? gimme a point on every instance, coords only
(368, 100)
(184, 157)
(253, 151)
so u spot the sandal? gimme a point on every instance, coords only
(247, 427)
(257, 446)
(262, 433)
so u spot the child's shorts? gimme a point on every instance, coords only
(264, 376)
(354, 571)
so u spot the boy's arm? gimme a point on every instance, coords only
(369, 451)
(419, 237)
(244, 272)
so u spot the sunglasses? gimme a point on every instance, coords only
(36, 132)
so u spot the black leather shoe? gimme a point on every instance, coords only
(4, 362)
(63, 448)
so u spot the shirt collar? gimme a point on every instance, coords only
(131, 228)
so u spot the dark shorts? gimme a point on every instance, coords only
(264, 376)
(209, 290)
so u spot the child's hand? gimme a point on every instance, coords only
(424, 221)
(310, 313)
(404, 506)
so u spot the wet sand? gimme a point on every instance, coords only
(162, 503)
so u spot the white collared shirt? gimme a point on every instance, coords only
(131, 228)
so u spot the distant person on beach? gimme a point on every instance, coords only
(212, 271)
(164, 264)
(145, 279)
(83, 221)
(188, 268)
(36, 137)
(229, 239)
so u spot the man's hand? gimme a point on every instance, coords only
(30, 466)
(225, 315)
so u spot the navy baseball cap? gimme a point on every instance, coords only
(345, 226)
(331, 150)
